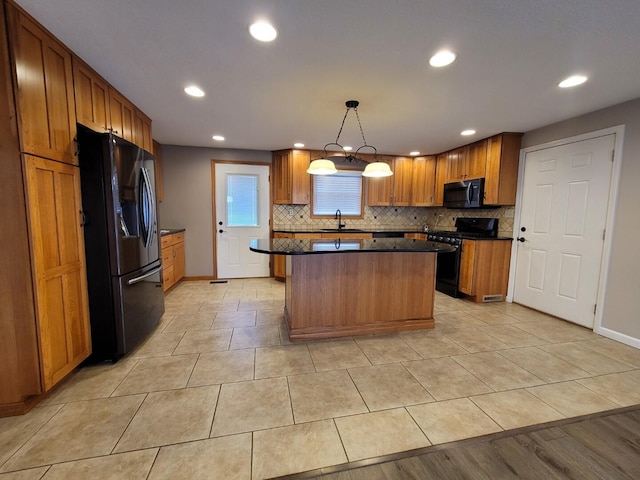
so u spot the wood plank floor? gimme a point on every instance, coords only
(601, 446)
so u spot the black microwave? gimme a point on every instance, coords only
(464, 194)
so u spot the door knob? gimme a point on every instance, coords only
(521, 239)
(220, 231)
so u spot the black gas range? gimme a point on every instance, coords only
(448, 271)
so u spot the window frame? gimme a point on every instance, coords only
(344, 216)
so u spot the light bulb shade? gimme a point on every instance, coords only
(377, 169)
(322, 166)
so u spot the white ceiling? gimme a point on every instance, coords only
(511, 56)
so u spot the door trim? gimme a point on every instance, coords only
(213, 205)
(618, 131)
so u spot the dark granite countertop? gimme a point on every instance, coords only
(350, 230)
(293, 246)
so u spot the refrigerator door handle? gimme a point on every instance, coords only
(149, 220)
(142, 277)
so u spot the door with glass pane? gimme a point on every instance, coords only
(242, 214)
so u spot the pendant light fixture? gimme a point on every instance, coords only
(324, 166)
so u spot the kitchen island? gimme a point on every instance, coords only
(344, 287)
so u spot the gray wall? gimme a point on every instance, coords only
(187, 198)
(622, 295)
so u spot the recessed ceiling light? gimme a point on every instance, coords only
(347, 149)
(194, 91)
(218, 138)
(572, 81)
(467, 132)
(413, 154)
(263, 31)
(298, 145)
(442, 58)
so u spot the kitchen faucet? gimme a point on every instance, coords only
(339, 218)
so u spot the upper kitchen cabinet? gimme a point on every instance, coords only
(44, 94)
(122, 115)
(291, 182)
(423, 181)
(467, 162)
(442, 172)
(142, 131)
(501, 176)
(92, 97)
(394, 190)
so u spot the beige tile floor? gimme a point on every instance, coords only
(218, 391)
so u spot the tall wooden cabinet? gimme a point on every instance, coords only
(57, 244)
(45, 324)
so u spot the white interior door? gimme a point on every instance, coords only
(563, 217)
(242, 214)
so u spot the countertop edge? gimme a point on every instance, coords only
(170, 231)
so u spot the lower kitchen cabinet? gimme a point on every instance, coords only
(173, 259)
(278, 262)
(59, 267)
(484, 269)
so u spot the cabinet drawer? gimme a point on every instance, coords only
(166, 241)
(167, 257)
(177, 238)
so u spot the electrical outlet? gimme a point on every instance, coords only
(291, 211)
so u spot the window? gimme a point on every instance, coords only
(242, 200)
(342, 190)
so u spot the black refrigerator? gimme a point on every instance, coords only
(124, 265)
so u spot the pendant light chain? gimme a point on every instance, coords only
(324, 166)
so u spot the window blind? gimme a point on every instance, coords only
(242, 200)
(342, 190)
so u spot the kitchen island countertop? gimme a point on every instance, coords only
(292, 246)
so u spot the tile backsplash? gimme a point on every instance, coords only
(298, 218)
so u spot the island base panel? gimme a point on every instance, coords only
(334, 295)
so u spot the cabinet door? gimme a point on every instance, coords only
(402, 170)
(442, 172)
(423, 181)
(280, 180)
(122, 115)
(45, 100)
(59, 266)
(380, 190)
(279, 261)
(300, 179)
(92, 97)
(476, 160)
(178, 261)
(467, 262)
(142, 131)
(457, 160)
(501, 176)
